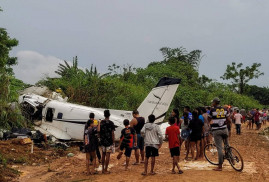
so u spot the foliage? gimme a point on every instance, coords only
(259, 93)
(125, 87)
(193, 58)
(241, 76)
(229, 97)
(8, 84)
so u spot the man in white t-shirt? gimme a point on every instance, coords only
(238, 120)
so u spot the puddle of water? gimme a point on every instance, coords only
(249, 167)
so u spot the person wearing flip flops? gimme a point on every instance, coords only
(91, 144)
(127, 140)
(153, 142)
(106, 130)
(172, 133)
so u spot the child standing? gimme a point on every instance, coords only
(172, 133)
(91, 144)
(127, 139)
(185, 133)
(153, 142)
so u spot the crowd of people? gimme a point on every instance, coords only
(193, 131)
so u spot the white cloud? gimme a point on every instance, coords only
(33, 66)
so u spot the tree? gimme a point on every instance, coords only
(259, 93)
(204, 81)
(8, 84)
(193, 58)
(239, 76)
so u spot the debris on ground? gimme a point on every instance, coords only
(45, 92)
(265, 131)
(70, 155)
(22, 141)
(17, 132)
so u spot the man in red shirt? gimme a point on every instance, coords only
(172, 133)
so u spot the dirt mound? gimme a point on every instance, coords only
(13, 154)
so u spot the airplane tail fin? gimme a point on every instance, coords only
(159, 99)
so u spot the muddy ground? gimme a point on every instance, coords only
(253, 147)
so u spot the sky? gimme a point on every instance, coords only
(103, 32)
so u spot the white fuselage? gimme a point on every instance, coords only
(68, 120)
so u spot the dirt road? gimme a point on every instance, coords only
(253, 148)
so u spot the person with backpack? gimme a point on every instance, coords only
(106, 129)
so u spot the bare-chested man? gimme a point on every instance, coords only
(138, 123)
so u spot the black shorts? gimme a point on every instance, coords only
(151, 152)
(90, 148)
(175, 151)
(195, 138)
(128, 152)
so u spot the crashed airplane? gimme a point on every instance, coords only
(66, 121)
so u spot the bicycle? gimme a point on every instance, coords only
(230, 153)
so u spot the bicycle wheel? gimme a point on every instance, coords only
(235, 159)
(211, 154)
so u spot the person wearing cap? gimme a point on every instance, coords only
(218, 118)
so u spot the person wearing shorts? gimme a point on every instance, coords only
(196, 125)
(153, 142)
(91, 144)
(185, 133)
(253, 117)
(249, 120)
(138, 123)
(152, 152)
(257, 118)
(106, 129)
(127, 139)
(172, 133)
